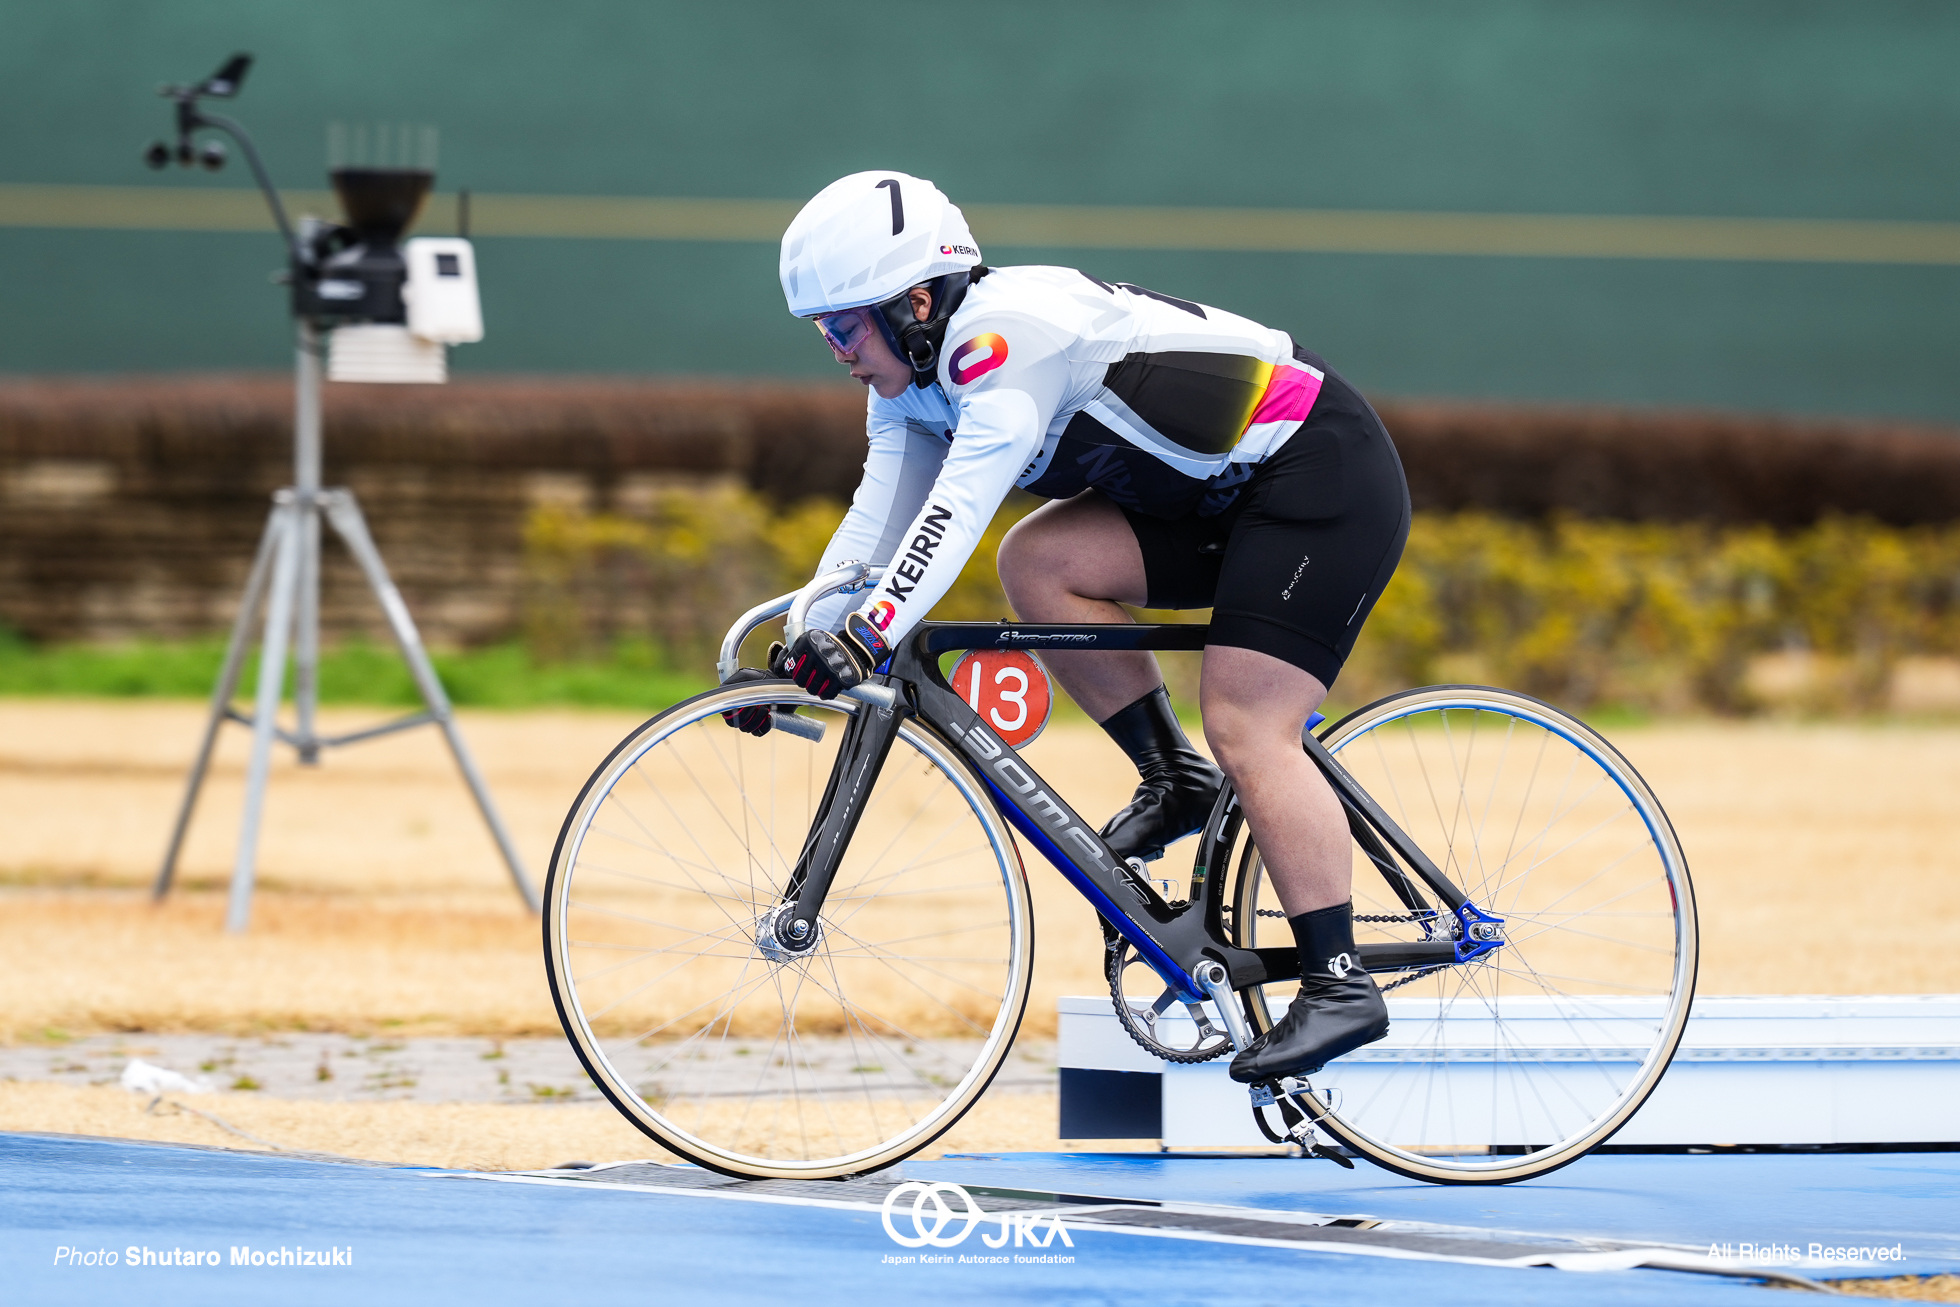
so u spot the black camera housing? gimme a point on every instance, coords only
(355, 272)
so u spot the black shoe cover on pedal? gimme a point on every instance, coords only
(1337, 1010)
(1179, 787)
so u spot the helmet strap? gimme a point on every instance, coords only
(919, 342)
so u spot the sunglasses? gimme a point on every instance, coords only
(846, 331)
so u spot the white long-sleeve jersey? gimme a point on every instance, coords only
(1056, 382)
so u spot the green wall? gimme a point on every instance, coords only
(1770, 109)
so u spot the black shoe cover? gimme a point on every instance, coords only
(1174, 800)
(1330, 1017)
(1179, 787)
(1338, 1008)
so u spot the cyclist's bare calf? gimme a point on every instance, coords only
(1254, 708)
(1077, 561)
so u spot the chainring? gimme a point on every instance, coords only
(1139, 1017)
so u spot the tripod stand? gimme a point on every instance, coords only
(285, 581)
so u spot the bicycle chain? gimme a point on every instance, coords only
(1276, 914)
(1113, 969)
(1381, 920)
(1412, 977)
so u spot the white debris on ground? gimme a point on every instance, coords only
(139, 1077)
(349, 1068)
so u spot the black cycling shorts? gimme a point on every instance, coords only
(1295, 565)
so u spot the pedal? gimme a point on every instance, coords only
(1298, 1123)
(1262, 1093)
(1167, 888)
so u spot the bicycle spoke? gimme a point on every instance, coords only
(755, 1054)
(1541, 1041)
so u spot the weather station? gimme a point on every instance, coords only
(370, 307)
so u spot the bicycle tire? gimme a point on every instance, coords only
(1520, 1061)
(842, 1059)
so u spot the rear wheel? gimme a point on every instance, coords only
(694, 1021)
(1518, 1061)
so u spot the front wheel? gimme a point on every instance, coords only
(698, 1024)
(1520, 1060)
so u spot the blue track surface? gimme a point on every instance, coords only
(1841, 1199)
(420, 1236)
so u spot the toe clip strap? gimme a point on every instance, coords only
(1296, 1114)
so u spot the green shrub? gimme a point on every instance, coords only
(681, 571)
(1641, 616)
(1592, 615)
(629, 675)
(1656, 617)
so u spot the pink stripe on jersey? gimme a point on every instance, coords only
(1289, 397)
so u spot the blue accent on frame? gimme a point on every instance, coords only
(1148, 948)
(1466, 947)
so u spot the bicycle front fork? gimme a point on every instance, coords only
(860, 755)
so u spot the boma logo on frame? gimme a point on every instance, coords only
(929, 1221)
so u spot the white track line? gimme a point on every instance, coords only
(1617, 1259)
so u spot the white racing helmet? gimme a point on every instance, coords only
(869, 236)
(867, 239)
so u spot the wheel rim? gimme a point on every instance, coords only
(709, 1036)
(1519, 1061)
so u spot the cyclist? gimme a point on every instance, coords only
(1195, 458)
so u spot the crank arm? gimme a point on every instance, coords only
(1214, 980)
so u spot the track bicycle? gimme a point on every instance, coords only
(806, 955)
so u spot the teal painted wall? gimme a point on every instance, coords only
(1749, 108)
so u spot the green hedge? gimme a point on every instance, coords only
(1589, 614)
(1660, 617)
(630, 675)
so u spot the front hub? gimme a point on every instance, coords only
(776, 939)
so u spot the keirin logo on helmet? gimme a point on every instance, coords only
(977, 357)
(929, 1215)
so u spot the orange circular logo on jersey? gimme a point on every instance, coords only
(977, 357)
(1009, 690)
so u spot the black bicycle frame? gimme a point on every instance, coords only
(1173, 940)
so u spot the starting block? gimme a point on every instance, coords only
(1790, 1071)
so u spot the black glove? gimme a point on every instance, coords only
(755, 719)
(826, 664)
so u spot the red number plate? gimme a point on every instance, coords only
(1009, 690)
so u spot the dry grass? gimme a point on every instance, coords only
(474, 1136)
(1908, 1288)
(383, 907)
(106, 960)
(381, 902)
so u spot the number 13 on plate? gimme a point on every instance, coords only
(1009, 690)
